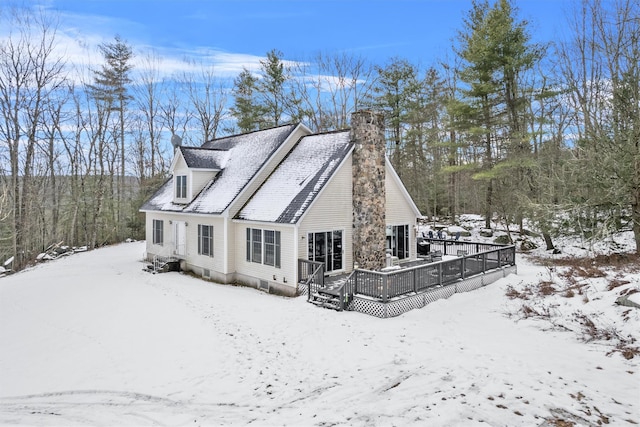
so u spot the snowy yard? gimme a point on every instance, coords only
(93, 340)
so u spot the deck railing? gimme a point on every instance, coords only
(451, 247)
(390, 284)
(311, 275)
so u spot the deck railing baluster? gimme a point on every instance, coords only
(478, 258)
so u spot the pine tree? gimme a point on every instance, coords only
(110, 89)
(271, 88)
(246, 110)
(496, 54)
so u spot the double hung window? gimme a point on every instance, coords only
(181, 187)
(205, 240)
(158, 232)
(263, 246)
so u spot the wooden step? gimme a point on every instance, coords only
(326, 301)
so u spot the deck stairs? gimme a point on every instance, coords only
(326, 298)
(333, 295)
(163, 264)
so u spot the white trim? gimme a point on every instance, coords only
(194, 214)
(296, 245)
(226, 244)
(175, 159)
(204, 169)
(264, 223)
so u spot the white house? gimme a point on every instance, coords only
(244, 208)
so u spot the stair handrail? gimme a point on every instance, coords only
(318, 272)
(156, 261)
(345, 298)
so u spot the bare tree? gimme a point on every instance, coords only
(176, 116)
(30, 73)
(208, 99)
(330, 87)
(601, 68)
(149, 125)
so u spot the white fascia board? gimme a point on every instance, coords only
(264, 224)
(177, 153)
(326, 184)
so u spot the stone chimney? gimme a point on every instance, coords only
(369, 226)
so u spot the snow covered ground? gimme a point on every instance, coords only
(93, 340)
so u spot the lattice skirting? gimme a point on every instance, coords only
(302, 289)
(411, 302)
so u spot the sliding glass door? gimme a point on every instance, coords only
(326, 247)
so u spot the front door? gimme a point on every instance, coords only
(326, 247)
(180, 238)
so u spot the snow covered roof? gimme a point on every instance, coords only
(290, 189)
(240, 158)
(203, 158)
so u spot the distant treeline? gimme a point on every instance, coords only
(518, 131)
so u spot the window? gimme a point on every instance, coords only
(256, 239)
(205, 240)
(398, 240)
(272, 248)
(263, 246)
(181, 187)
(158, 231)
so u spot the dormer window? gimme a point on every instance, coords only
(181, 187)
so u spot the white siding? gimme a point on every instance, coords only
(197, 180)
(214, 263)
(195, 261)
(288, 260)
(180, 168)
(399, 210)
(331, 210)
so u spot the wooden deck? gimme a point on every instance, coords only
(412, 278)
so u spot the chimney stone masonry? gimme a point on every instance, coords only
(368, 165)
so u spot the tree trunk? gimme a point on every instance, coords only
(635, 217)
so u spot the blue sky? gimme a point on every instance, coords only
(233, 33)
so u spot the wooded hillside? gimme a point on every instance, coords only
(515, 130)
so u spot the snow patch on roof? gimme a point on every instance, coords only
(163, 199)
(204, 158)
(240, 158)
(291, 188)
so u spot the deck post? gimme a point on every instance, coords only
(385, 288)
(355, 281)
(440, 274)
(415, 281)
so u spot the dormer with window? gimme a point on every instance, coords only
(192, 169)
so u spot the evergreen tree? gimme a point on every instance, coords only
(271, 89)
(496, 54)
(246, 110)
(396, 84)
